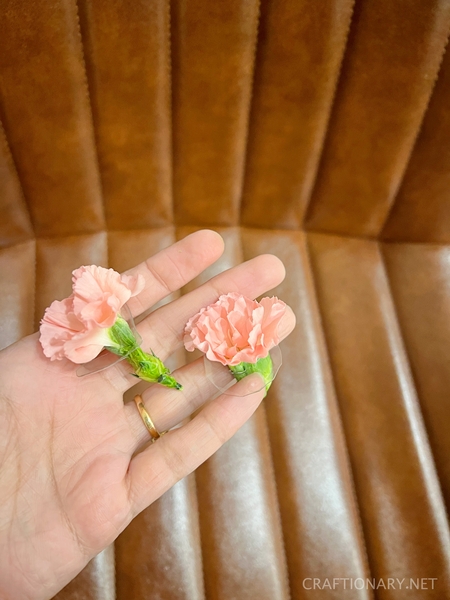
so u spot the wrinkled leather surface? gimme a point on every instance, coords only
(317, 131)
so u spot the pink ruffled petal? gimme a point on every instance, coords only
(235, 328)
(85, 346)
(60, 312)
(77, 327)
(188, 343)
(86, 284)
(211, 355)
(101, 313)
(58, 325)
(135, 283)
(274, 311)
(238, 324)
(52, 340)
(255, 337)
(92, 283)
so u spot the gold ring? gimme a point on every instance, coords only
(155, 435)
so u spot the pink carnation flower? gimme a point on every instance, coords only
(77, 327)
(235, 329)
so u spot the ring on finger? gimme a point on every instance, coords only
(146, 418)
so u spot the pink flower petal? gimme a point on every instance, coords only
(102, 312)
(60, 312)
(92, 284)
(58, 325)
(134, 283)
(52, 340)
(235, 329)
(274, 311)
(76, 328)
(86, 345)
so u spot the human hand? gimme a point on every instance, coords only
(71, 479)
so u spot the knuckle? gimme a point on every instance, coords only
(156, 275)
(219, 427)
(176, 463)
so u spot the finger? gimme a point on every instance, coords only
(168, 408)
(170, 269)
(162, 331)
(182, 450)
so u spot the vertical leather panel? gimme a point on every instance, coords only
(46, 113)
(422, 208)
(420, 281)
(158, 556)
(17, 277)
(15, 223)
(243, 553)
(212, 61)
(128, 63)
(320, 519)
(401, 505)
(95, 582)
(242, 544)
(56, 258)
(392, 59)
(300, 49)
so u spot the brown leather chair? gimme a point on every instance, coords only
(315, 130)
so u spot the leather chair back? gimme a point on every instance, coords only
(318, 131)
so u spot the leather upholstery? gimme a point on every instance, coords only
(317, 131)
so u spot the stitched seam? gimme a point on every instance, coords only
(89, 111)
(12, 164)
(9, 157)
(107, 247)
(237, 217)
(173, 47)
(34, 301)
(413, 145)
(170, 108)
(331, 109)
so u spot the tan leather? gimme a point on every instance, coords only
(317, 131)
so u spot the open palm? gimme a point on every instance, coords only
(76, 466)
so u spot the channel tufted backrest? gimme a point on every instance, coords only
(140, 114)
(317, 130)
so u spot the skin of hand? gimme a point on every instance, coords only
(75, 463)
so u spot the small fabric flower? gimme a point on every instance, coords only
(235, 329)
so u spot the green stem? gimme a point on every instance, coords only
(263, 366)
(150, 368)
(146, 366)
